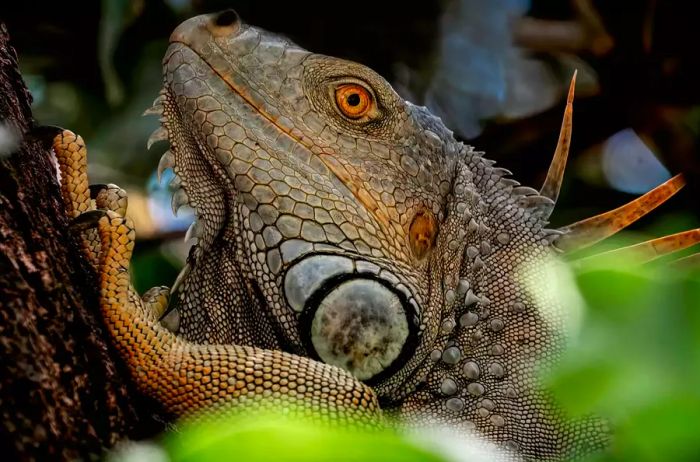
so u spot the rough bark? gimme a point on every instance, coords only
(62, 395)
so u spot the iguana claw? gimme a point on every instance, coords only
(96, 188)
(46, 134)
(87, 220)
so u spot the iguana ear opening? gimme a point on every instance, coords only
(422, 233)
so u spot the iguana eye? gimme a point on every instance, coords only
(353, 100)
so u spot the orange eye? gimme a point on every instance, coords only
(353, 100)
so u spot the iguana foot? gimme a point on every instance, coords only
(71, 154)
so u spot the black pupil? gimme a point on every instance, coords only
(354, 99)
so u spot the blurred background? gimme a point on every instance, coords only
(496, 71)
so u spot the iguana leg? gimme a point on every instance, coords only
(187, 377)
(71, 154)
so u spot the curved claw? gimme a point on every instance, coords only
(46, 133)
(161, 134)
(170, 319)
(96, 189)
(87, 220)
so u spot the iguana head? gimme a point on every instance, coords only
(368, 236)
(343, 191)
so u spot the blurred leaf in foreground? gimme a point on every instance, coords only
(636, 360)
(272, 437)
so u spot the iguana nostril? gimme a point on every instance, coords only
(226, 18)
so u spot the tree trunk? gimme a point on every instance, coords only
(63, 395)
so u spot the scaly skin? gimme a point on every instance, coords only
(187, 377)
(376, 243)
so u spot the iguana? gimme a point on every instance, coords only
(353, 259)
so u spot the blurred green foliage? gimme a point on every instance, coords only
(635, 359)
(274, 437)
(151, 268)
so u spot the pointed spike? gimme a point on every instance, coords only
(587, 232)
(540, 202)
(525, 191)
(478, 264)
(160, 134)
(470, 298)
(157, 106)
(689, 262)
(509, 182)
(179, 199)
(552, 235)
(153, 111)
(500, 171)
(484, 229)
(555, 174)
(167, 160)
(650, 250)
(462, 287)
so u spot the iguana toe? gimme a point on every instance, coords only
(109, 197)
(156, 299)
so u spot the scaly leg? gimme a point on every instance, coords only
(187, 377)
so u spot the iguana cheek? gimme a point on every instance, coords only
(353, 314)
(360, 326)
